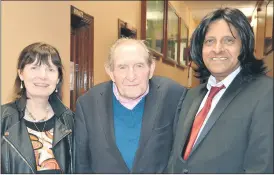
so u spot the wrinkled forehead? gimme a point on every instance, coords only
(130, 48)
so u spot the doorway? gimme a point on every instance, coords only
(81, 59)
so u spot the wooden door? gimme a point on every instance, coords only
(82, 39)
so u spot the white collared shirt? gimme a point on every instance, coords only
(212, 82)
(128, 103)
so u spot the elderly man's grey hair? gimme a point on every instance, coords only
(110, 60)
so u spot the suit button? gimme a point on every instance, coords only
(185, 171)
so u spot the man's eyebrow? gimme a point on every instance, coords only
(229, 36)
(121, 64)
(215, 37)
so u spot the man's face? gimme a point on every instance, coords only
(131, 72)
(221, 49)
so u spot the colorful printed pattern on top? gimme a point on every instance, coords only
(42, 144)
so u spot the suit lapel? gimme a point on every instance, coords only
(105, 110)
(235, 87)
(150, 112)
(190, 115)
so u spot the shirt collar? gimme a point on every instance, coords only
(226, 82)
(124, 100)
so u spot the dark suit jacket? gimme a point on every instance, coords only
(96, 150)
(237, 138)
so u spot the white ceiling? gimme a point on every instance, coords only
(200, 8)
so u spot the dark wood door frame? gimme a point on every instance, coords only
(82, 53)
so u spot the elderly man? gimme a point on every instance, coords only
(227, 123)
(126, 125)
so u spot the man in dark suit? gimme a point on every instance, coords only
(226, 125)
(126, 125)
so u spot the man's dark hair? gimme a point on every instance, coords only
(248, 62)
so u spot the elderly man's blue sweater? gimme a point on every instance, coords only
(127, 128)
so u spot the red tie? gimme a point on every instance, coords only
(199, 119)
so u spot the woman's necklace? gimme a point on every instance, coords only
(34, 122)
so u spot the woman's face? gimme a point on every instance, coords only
(39, 80)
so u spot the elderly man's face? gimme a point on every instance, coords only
(131, 72)
(221, 49)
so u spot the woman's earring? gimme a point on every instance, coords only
(21, 86)
(56, 90)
